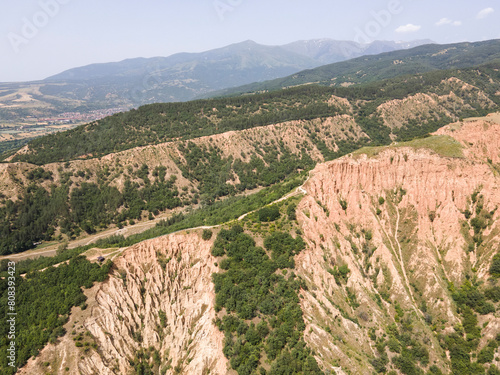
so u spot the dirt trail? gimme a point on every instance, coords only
(297, 191)
(51, 250)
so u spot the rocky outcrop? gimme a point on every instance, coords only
(480, 138)
(422, 108)
(398, 221)
(159, 298)
(116, 168)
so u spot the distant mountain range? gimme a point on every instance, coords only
(328, 51)
(421, 59)
(243, 61)
(179, 77)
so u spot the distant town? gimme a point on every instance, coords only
(72, 117)
(32, 126)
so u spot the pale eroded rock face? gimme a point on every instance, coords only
(416, 242)
(481, 137)
(424, 107)
(236, 144)
(124, 314)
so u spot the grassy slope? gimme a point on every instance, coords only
(442, 145)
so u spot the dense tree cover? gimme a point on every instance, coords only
(471, 296)
(217, 213)
(256, 285)
(409, 354)
(43, 303)
(7, 148)
(158, 123)
(462, 343)
(32, 218)
(39, 174)
(91, 206)
(38, 212)
(213, 172)
(206, 235)
(290, 211)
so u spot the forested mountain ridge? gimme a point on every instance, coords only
(242, 55)
(156, 123)
(420, 59)
(262, 140)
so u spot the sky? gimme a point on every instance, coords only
(40, 38)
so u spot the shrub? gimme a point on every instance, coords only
(493, 293)
(486, 355)
(343, 204)
(267, 214)
(495, 266)
(341, 273)
(478, 223)
(434, 370)
(290, 211)
(206, 235)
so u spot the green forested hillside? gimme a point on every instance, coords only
(156, 123)
(250, 288)
(40, 320)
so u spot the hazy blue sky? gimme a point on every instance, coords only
(39, 38)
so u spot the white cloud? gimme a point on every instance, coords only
(410, 28)
(485, 13)
(447, 21)
(443, 21)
